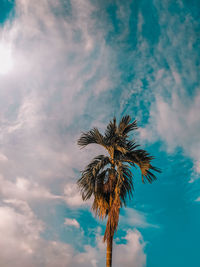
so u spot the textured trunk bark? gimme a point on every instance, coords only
(109, 253)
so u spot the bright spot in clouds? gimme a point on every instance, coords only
(6, 60)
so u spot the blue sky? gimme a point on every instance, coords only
(66, 66)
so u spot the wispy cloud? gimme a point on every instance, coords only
(177, 123)
(72, 222)
(58, 66)
(165, 89)
(24, 189)
(60, 63)
(135, 218)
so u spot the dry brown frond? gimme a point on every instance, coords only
(113, 217)
(100, 206)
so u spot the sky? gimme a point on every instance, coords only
(67, 66)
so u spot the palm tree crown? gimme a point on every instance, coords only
(109, 178)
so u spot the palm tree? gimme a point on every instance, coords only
(108, 178)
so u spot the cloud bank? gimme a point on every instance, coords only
(56, 67)
(22, 245)
(59, 63)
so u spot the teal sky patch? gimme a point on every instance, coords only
(6, 7)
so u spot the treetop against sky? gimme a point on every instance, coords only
(69, 66)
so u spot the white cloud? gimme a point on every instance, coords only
(135, 218)
(197, 166)
(6, 59)
(72, 196)
(72, 222)
(60, 62)
(164, 89)
(159, 74)
(177, 123)
(103, 84)
(19, 230)
(3, 158)
(130, 254)
(23, 189)
(22, 245)
(176, 77)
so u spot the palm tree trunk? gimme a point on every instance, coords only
(109, 252)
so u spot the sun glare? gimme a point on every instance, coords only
(6, 61)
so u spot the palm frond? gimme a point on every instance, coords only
(91, 137)
(123, 187)
(101, 205)
(125, 146)
(113, 218)
(143, 160)
(110, 132)
(131, 145)
(125, 126)
(125, 183)
(93, 175)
